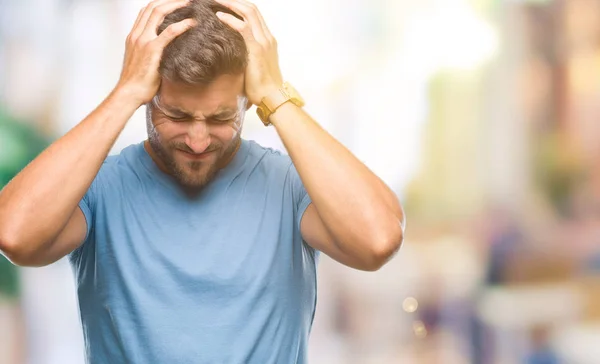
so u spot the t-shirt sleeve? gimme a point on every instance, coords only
(88, 207)
(301, 202)
(301, 198)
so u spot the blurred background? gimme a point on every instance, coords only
(482, 115)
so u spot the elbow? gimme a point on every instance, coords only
(384, 248)
(9, 249)
(14, 252)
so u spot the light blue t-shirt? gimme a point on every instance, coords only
(224, 277)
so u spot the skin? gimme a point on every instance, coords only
(40, 220)
(194, 131)
(354, 217)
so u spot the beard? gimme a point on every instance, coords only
(193, 176)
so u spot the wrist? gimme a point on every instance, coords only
(287, 111)
(267, 91)
(278, 97)
(124, 98)
(128, 95)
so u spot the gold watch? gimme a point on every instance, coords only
(270, 103)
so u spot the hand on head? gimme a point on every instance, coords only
(143, 49)
(263, 74)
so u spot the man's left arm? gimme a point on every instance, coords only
(354, 217)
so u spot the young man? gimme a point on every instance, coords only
(197, 246)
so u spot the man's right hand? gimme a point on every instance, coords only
(40, 221)
(140, 79)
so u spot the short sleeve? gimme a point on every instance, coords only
(301, 198)
(88, 207)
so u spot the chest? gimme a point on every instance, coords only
(225, 244)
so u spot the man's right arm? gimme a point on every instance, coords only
(40, 221)
(41, 201)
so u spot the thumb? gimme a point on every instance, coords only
(173, 31)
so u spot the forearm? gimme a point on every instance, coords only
(37, 203)
(359, 210)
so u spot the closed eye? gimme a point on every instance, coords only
(178, 118)
(224, 120)
(183, 118)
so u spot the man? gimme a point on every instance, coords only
(197, 246)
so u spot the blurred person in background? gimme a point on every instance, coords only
(197, 243)
(542, 351)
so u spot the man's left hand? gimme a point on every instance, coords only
(263, 75)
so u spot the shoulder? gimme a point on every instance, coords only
(120, 165)
(273, 159)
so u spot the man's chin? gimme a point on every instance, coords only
(192, 183)
(193, 178)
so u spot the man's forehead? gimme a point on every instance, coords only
(175, 106)
(197, 105)
(222, 86)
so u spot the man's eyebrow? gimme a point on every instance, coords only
(224, 112)
(220, 113)
(174, 110)
(168, 108)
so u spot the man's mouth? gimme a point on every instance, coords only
(197, 156)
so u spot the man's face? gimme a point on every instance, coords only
(195, 130)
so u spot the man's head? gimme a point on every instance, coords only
(195, 120)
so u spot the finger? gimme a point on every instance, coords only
(237, 24)
(261, 20)
(173, 31)
(158, 16)
(133, 34)
(232, 21)
(142, 19)
(139, 16)
(249, 13)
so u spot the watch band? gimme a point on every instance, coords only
(270, 103)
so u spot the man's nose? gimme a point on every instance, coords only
(198, 137)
